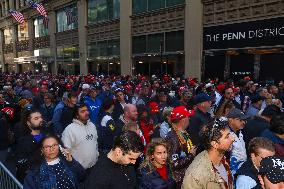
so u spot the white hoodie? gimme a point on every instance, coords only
(82, 141)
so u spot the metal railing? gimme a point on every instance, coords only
(7, 179)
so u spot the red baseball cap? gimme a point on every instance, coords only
(180, 112)
(9, 111)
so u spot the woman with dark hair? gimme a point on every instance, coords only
(106, 127)
(154, 172)
(55, 170)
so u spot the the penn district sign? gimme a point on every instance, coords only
(269, 32)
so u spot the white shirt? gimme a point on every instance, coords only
(82, 141)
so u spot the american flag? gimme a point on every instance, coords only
(70, 18)
(19, 17)
(39, 8)
(45, 22)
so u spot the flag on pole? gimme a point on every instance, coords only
(19, 17)
(70, 18)
(39, 7)
(45, 22)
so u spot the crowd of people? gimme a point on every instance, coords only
(158, 132)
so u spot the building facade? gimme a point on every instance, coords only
(243, 37)
(104, 36)
(197, 38)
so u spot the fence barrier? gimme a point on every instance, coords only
(7, 179)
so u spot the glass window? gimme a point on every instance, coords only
(139, 44)
(104, 48)
(154, 42)
(93, 50)
(113, 47)
(8, 36)
(23, 33)
(45, 52)
(175, 41)
(62, 20)
(67, 52)
(41, 29)
(103, 10)
(139, 6)
(156, 4)
(173, 2)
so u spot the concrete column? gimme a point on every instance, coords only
(2, 50)
(52, 32)
(15, 40)
(12, 4)
(82, 32)
(1, 10)
(17, 4)
(227, 67)
(31, 31)
(193, 38)
(125, 37)
(6, 7)
(256, 67)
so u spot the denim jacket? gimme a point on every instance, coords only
(45, 178)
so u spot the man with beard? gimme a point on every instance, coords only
(81, 138)
(27, 146)
(210, 169)
(115, 170)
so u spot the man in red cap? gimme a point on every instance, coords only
(182, 150)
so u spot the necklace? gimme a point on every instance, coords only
(184, 139)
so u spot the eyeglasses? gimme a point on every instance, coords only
(50, 147)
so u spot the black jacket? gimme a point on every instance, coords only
(4, 140)
(195, 124)
(249, 170)
(117, 111)
(27, 154)
(153, 180)
(253, 128)
(66, 116)
(109, 175)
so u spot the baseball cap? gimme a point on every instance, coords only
(180, 112)
(273, 168)
(236, 113)
(9, 111)
(201, 97)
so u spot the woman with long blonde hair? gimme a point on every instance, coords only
(154, 172)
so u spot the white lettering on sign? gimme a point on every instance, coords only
(250, 34)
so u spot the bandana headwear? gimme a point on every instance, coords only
(180, 112)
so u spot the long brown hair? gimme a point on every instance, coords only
(148, 161)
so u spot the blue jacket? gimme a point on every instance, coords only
(47, 112)
(93, 107)
(45, 178)
(57, 117)
(153, 180)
